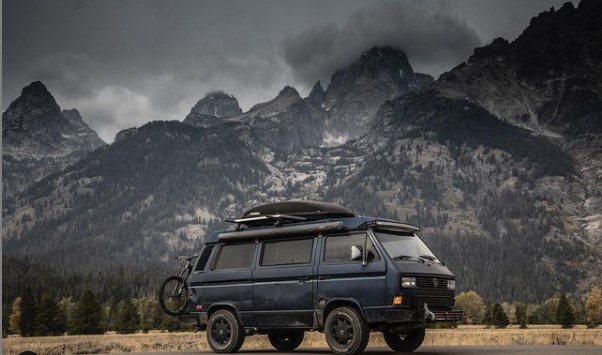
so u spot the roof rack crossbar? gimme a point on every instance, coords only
(266, 217)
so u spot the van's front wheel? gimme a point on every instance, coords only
(224, 332)
(346, 331)
(286, 341)
(407, 342)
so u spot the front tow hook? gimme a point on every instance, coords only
(428, 315)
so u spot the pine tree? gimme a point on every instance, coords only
(487, 315)
(171, 324)
(88, 315)
(521, 315)
(564, 313)
(593, 307)
(14, 320)
(5, 320)
(128, 320)
(498, 317)
(28, 314)
(50, 318)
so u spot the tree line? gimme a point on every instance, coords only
(47, 316)
(559, 309)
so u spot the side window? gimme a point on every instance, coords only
(339, 248)
(287, 252)
(234, 256)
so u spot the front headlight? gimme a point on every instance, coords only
(451, 284)
(408, 282)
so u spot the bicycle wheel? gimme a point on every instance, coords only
(173, 296)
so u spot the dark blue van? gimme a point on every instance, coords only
(296, 266)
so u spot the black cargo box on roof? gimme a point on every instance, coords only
(309, 210)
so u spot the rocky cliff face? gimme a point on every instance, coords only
(356, 92)
(210, 110)
(547, 80)
(285, 123)
(39, 139)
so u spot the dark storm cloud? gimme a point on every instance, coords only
(433, 37)
(122, 63)
(69, 72)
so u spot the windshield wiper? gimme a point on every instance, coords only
(404, 257)
(431, 258)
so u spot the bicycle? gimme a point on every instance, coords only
(173, 295)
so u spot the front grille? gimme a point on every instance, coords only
(432, 282)
(433, 302)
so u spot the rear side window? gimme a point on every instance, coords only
(287, 252)
(338, 249)
(234, 256)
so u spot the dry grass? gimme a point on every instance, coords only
(470, 335)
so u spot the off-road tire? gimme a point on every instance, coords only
(164, 296)
(405, 343)
(224, 332)
(286, 340)
(346, 331)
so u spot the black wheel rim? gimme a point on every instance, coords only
(221, 331)
(341, 331)
(174, 295)
(283, 338)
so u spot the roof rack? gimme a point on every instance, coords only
(286, 231)
(271, 217)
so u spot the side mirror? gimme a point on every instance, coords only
(356, 252)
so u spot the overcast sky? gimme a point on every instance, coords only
(123, 63)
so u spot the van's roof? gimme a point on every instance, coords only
(306, 227)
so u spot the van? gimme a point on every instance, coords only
(285, 268)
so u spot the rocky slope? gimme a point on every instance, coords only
(549, 80)
(39, 139)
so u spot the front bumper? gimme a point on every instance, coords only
(394, 315)
(451, 316)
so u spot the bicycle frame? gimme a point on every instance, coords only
(184, 274)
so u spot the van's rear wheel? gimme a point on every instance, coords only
(286, 341)
(224, 332)
(346, 331)
(405, 342)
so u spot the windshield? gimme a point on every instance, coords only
(405, 246)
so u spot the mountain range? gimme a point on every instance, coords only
(499, 160)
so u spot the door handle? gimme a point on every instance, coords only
(303, 280)
(323, 277)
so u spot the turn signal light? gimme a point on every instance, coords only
(397, 300)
